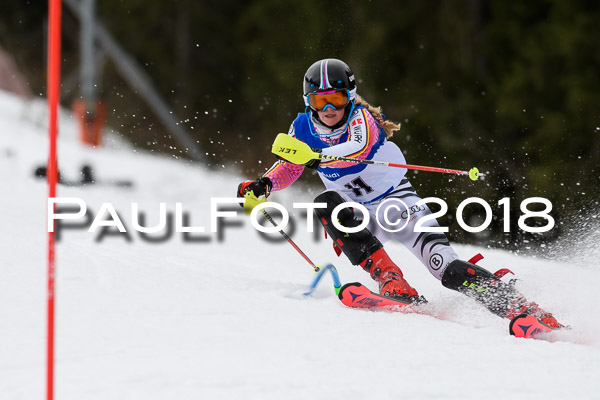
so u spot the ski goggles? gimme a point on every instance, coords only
(336, 99)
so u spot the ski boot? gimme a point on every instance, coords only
(391, 281)
(499, 297)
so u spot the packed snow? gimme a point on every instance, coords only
(223, 317)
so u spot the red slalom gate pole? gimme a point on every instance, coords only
(53, 93)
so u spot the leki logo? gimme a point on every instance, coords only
(286, 150)
(475, 287)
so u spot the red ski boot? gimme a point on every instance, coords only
(388, 275)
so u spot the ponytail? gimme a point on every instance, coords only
(389, 127)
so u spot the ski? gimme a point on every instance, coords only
(356, 295)
(529, 327)
(86, 180)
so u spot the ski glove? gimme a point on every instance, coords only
(255, 192)
(260, 187)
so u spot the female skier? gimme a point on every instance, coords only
(338, 122)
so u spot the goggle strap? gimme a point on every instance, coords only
(351, 94)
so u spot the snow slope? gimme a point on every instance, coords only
(224, 319)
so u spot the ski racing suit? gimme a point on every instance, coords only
(369, 185)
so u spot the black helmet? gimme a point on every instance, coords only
(329, 74)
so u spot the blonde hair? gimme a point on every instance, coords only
(389, 127)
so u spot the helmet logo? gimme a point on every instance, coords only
(324, 75)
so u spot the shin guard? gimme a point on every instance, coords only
(481, 285)
(356, 246)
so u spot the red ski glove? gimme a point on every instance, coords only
(260, 187)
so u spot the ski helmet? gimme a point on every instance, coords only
(329, 74)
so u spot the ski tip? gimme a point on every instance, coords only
(356, 295)
(527, 326)
(342, 290)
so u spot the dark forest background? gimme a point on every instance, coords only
(512, 87)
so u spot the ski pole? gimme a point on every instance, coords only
(297, 152)
(320, 271)
(290, 241)
(473, 173)
(255, 201)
